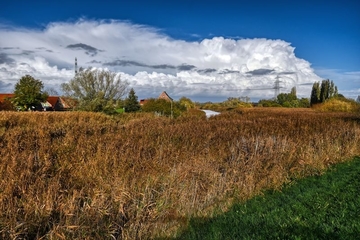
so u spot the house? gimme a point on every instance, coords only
(165, 96)
(53, 103)
(5, 103)
(143, 101)
(59, 103)
(5, 96)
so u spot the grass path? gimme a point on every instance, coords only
(318, 207)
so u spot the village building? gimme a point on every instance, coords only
(53, 103)
(142, 101)
(59, 103)
(5, 96)
(165, 96)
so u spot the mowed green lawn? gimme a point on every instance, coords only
(318, 207)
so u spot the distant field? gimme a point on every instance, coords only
(76, 175)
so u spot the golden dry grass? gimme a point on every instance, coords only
(338, 105)
(81, 175)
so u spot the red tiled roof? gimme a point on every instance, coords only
(66, 102)
(51, 99)
(4, 96)
(143, 101)
(165, 96)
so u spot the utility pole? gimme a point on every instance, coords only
(171, 108)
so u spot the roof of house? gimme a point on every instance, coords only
(51, 99)
(143, 101)
(67, 102)
(165, 96)
(4, 96)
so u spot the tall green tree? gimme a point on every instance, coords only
(131, 102)
(293, 92)
(95, 90)
(323, 92)
(29, 93)
(315, 94)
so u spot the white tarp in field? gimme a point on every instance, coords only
(210, 113)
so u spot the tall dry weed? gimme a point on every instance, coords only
(89, 176)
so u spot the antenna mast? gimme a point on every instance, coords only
(76, 69)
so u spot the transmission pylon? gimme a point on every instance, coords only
(277, 86)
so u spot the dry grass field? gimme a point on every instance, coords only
(77, 175)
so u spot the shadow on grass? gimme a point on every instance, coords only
(318, 207)
(353, 118)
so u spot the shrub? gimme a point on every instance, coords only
(338, 105)
(163, 107)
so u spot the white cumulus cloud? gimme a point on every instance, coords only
(152, 62)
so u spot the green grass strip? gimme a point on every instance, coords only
(317, 207)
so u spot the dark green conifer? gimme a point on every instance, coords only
(131, 102)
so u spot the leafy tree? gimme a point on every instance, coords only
(233, 102)
(286, 99)
(186, 102)
(95, 90)
(293, 92)
(289, 100)
(131, 103)
(29, 93)
(268, 103)
(163, 107)
(323, 92)
(315, 94)
(211, 106)
(304, 103)
(120, 106)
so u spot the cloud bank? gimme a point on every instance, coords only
(152, 62)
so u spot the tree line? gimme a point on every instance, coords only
(323, 91)
(95, 90)
(99, 90)
(289, 100)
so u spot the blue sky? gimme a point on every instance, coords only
(326, 34)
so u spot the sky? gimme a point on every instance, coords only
(204, 50)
